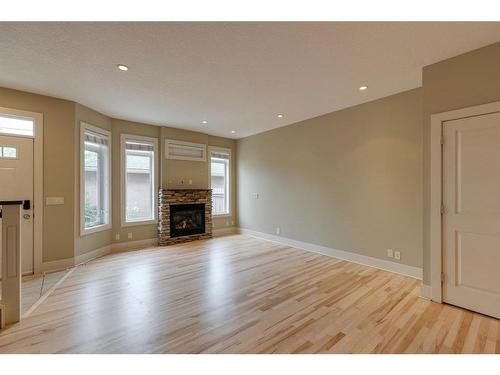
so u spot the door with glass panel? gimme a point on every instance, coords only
(16, 177)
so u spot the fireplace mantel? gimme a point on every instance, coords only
(168, 197)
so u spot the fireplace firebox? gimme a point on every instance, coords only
(187, 219)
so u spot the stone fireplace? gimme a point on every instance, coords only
(185, 215)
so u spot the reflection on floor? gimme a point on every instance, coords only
(34, 288)
(240, 294)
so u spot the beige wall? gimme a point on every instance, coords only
(462, 81)
(61, 224)
(58, 164)
(349, 180)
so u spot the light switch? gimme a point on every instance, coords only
(54, 201)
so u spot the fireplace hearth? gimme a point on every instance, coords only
(187, 219)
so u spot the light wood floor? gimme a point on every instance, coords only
(34, 288)
(238, 294)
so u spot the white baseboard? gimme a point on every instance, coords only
(426, 291)
(62, 264)
(133, 245)
(224, 231)
(97, 253)
(382, 264)
(57, 265)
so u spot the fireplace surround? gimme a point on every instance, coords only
(184, 215)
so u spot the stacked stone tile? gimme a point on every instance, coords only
(169, 197)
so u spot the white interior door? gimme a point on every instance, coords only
(471, 221)
(16, 183)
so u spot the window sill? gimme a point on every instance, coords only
(137, 223)
(96, 229)
(222, 215)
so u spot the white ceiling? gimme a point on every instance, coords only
(237, 76)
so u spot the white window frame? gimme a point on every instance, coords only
(201, 146)
(228, 182)
(123, 200)
(99, 228)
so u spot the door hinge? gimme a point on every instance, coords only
(442, 278)
(442, 140)
(443, 209)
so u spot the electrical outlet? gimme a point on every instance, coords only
(129, 235)
(397, 255)
(390, 253)
(117, 236)
(278, 231)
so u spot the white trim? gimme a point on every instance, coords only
(219, 232)
(37, 182)
(154, 141)
(46, 294)
(85, 231)
(436, 180)
(57, 265)
(426, 291)
(201, 146)
(229, 212)
(382, 264)
(96, 253)
(133, 245)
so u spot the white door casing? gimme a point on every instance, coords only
(471, 219)
(16, 175)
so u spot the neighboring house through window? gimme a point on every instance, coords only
(220, 161)
(95, 181)
(138, 155)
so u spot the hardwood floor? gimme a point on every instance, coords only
(238, 294)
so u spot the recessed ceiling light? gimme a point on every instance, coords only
(280, 115)
(122, 67)
(363, 88)
(204, 122)
(233, 131)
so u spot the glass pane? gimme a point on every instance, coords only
(16, 125)
(9, 152)
(218, 185)
(139, 186)
(92, 167)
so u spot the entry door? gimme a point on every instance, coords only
(471, 221)
(16, 183)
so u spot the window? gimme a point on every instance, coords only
(220, 160)
(138, 179)
(8, 152)
(185, 150)
(15, 125)
(95, 181)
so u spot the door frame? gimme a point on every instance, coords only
(37, 182)
(436, 188)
